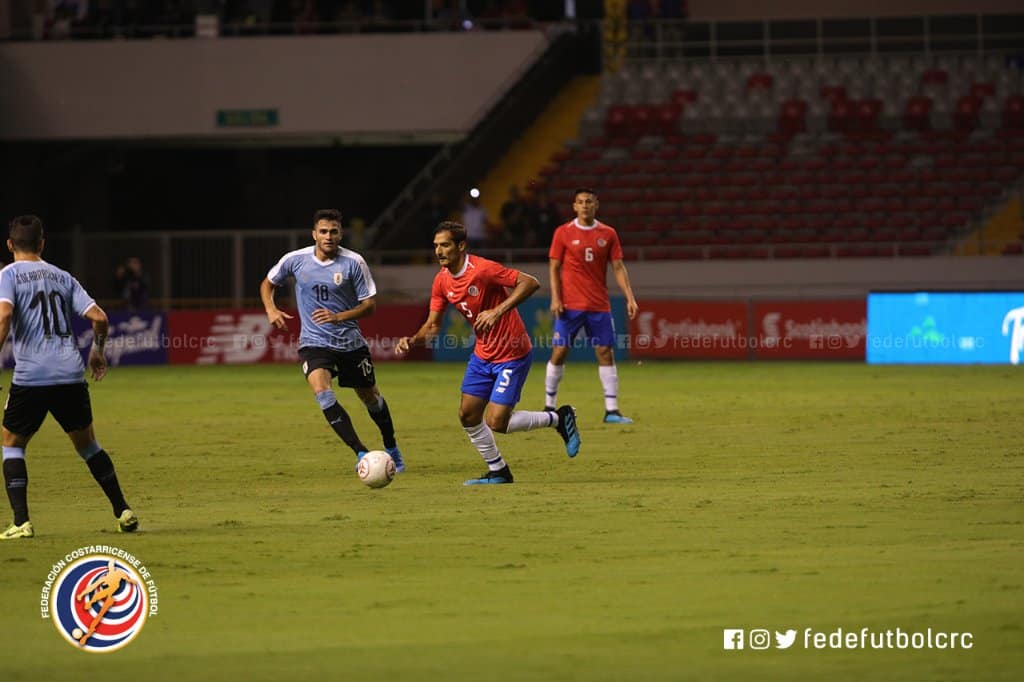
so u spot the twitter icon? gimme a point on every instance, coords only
(784, 640)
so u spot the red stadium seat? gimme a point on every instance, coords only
(1013, 113)
(917, 114)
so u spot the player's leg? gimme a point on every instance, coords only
(355, 370)
(102, 470)
(477, 385)
(566, 328)
(601, 330)
(16, 483)
(378, 410)
(502, 416)
(71, 407)
(318, 366)
(23, 414)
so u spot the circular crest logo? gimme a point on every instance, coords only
(473, 291)
(601, 242)
(99, 602)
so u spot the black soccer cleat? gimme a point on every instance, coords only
(567, 429)
(503, 475)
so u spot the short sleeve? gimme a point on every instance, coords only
(282, 271)
(437, 299)
(614, 247)
(7, 285)
(506, 277)
(363, 280)
(557, 250)
(81, 301)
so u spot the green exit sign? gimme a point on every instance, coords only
(247, 118)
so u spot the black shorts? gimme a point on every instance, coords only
(27, 407)
(354, 368)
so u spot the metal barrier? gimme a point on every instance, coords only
(867, 36)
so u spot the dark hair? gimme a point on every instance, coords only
(582, 190)
(457, 230)
(26, 233)
(332, 215)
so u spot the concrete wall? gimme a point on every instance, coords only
(807, 9)
(853, 277)
(350, 86)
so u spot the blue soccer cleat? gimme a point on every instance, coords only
(359, 456)
(567, 429)
(396, 455)
(503, 475)
(615, 417)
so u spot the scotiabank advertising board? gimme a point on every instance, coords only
(810, 330)
(242, 337)
(696, 330)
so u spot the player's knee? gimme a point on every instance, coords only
(87, 450)
(469, 417)
(326, 399)
(498, 422)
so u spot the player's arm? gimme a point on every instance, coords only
(555, 276)
(364, 309)
(426, 334)
(526, 286)
(100, 329)
(277, 317)
(6, 313)
(622, 279)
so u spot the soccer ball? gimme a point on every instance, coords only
(376, 469)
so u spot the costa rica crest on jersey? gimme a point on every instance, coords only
(601, 242)
(473, 291)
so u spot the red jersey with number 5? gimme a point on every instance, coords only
(481, 285)
(585, 253)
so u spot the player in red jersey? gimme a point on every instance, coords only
(497, 370)
(578, 261)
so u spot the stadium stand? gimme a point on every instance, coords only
(833, 157)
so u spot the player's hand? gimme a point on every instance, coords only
(556, 307)
(97, 364)
(278, 317)
(403, 346)
(486, 320)
(324, 316)
(631, 309)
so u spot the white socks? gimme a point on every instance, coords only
(610, 381)
(483, 440)
(527, 421)
(552, 377)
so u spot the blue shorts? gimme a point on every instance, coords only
(498, 382)
(599, 327)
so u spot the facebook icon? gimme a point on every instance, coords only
(732, 639)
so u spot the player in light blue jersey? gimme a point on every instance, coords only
(333, 289)
(37, 301)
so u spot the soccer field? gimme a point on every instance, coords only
(776, 496)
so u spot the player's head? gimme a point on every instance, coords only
(450, 245)
(584, 203)
(327, 231)
(25, 234)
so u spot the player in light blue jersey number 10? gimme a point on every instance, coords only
(333, 289)
(36, 304)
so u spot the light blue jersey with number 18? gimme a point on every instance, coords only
(44, 298)
(338, 284)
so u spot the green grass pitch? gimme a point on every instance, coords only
(780, 496)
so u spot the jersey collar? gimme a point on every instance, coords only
(462, 270)
(576, 222)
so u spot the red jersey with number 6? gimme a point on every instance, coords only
(481, 285)
(585, 253)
